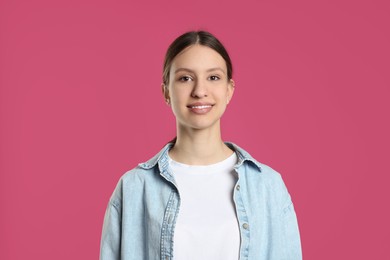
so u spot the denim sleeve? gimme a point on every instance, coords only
(291, 234)
(110, 245)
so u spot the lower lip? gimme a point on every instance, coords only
(200, 111)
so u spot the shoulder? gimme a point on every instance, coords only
(257, 172)
(248, 161)
(270, 174)
(130, 180)
(265, 176)
(134, 180)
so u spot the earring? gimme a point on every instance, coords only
(167, 101)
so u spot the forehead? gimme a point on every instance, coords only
(198, 57)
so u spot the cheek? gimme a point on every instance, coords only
(177, 100)
(223, 93)
(175, 95)
(180, 93)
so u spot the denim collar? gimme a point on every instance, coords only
(162, 158)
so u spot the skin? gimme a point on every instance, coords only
(198, 93)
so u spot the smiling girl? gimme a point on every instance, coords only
(200, 197)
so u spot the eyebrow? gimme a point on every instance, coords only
(209, 70)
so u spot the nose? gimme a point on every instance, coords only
(200, 89)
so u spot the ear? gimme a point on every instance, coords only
(165, 92)
(231, 88)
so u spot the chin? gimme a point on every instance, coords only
(201, 125)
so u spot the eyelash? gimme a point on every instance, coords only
(187, 78)
(215, 77)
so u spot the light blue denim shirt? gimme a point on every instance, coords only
(140, 218)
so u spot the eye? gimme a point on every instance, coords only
(214, 78)
(185, 78)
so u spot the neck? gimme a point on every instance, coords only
(199, 147)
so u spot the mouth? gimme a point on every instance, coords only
(199, 108)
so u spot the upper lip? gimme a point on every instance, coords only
(200, 104)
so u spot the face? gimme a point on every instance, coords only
(199, 89)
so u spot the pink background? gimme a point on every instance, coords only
(80, 104)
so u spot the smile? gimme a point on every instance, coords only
(200, 107)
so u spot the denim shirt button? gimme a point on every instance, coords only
(238, 187)
(245, 226)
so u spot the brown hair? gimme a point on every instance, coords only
(191, 38)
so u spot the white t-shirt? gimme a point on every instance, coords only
(207, 226)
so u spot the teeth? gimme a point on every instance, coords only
(201, 107)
